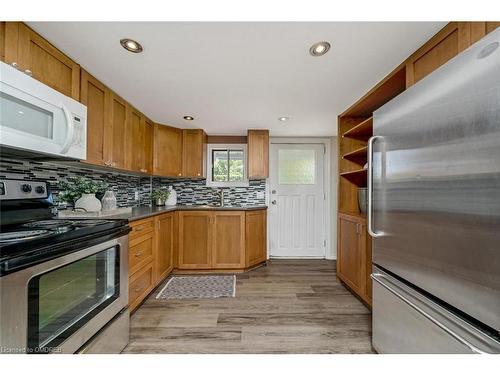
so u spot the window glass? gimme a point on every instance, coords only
(297, 167)
(228, 165)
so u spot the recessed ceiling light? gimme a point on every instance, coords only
(319, 49)
(131, 45)
(188, 118)
(284, 118)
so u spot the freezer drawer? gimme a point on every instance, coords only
(405, 321)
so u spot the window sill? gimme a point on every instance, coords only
(227, 184)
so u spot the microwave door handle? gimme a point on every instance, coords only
(70, 130)
(369, 215)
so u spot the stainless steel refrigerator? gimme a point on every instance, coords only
(434, 210)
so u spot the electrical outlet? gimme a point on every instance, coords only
(136, 195)
(260, 195)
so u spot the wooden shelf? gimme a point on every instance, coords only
(357, 177)
(358, 156)
(363, 131)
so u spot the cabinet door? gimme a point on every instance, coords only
(164, 246)
(141, 284)
(256, 237)
(118, 132)
(480, 29)
(350, 255)
(167, 160)
(447, 43)
(46, 63)
(96, 97)
(195, 239)
(147, 159)
(228, 249)
(194, 153)
(134, 140)
(258, 154)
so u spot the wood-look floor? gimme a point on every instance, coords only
(290, 306)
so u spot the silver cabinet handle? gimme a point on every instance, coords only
(15, 65)
(370, 188)
(28, 72)
(378, 277)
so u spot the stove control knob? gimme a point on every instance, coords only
(40, 189)
(26, 188)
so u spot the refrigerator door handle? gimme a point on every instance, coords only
(370, 229)
(379, 278)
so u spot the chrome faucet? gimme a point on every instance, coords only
(221, 197)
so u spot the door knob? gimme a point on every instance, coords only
(273, 201)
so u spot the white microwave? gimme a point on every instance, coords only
(38, 119)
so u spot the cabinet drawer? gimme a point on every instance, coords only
(141, 283)
(140, 252)
(141, 227)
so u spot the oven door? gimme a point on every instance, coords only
(36, 118)
(57, 306)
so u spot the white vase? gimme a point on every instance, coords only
(172, 198)
(108, 201)
(89, 203)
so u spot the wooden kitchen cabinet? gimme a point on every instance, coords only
(195, 239)
(116, 133)
(256, 237)
(141, 284)
(258, 154)
(194, 147)
(354, 255)
(134, 140)
(36, 56)
(167, 151)
(164, 245)
(147, 147)
(96, 97)
(228, 249)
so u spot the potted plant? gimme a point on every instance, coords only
(81, 193)
(160, 196)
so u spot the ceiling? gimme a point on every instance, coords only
(234, 76)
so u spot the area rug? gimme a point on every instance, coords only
(183, 287)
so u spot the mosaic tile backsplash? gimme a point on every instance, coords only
(189, 192)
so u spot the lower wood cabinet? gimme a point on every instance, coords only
(216, 240)
(256, 237)
(140, 285)
(164, 246)
(354, 255)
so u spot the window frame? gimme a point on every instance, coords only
(223, 147)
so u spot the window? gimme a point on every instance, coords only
(227, 165)
(297, 167)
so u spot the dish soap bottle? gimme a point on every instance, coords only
(172, 197)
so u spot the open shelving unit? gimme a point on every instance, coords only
(363, 131)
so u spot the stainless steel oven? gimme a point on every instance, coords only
(57, 306)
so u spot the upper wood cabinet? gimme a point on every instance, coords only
(194, 142)
(256, 238)
(228, 249)
(34, 55)
(195, 239)
(134, 140)
(167, 154)
(116, 133)
(96, 97)
(164, 245)
(148, 131)
(258, 154)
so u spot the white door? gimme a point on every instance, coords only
(297, 201)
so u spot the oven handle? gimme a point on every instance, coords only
(70, 126)
(378, 277)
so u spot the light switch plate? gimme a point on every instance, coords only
(260, 195)
(136, 195)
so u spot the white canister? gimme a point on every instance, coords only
(172, 197)
(89, 203)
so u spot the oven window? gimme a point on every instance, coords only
(64, 299)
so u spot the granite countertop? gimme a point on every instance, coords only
(143, 212)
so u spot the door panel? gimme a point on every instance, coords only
(297, 197)
(350, 257)
(256, 237)
(148, 129)
(167, 151)
(195, 240)
(118, 131)
(164, 246)
(134, 140)
(229, 240)
(193, 153)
